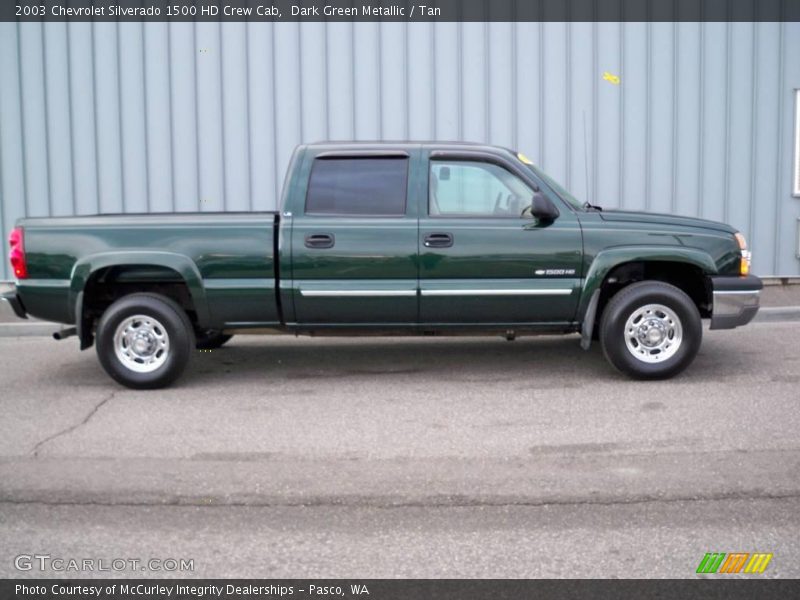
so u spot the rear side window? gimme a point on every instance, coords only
(367, 187)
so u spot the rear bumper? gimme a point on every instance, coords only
(10, 303)
(736, 300)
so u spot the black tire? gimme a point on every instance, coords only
(210, 339)
(629, 300)
(170, 320)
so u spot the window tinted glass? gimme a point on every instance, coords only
(358, 186)
(476, 189)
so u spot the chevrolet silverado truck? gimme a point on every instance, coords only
(389, 239)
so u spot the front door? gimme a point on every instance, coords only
(354, 248)
(483, 258)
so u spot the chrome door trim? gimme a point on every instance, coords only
(357, 293)
(496, 292)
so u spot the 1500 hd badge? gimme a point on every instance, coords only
(546, 272)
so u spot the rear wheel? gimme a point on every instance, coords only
(144, 341)
(651, 330)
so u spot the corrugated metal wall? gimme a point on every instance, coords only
(106, 117)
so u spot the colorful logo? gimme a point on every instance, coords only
(719, 562)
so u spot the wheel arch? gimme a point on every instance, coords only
(165, 272)
(614, 269)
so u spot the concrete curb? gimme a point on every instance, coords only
(555, 476)
(773, 314)
(29, 329)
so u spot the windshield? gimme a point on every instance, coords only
(550, 182)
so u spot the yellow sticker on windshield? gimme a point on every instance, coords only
(524, 158)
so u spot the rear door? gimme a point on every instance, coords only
(482, 259)
(354, 247)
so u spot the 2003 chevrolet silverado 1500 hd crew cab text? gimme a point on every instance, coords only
(390, 238)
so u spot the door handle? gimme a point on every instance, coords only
(320, 240)
(438, 240)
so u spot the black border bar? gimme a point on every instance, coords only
(713, 588)
(401, 10)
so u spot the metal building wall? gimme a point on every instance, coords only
(106, 117)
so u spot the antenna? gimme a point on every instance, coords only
(586, 158)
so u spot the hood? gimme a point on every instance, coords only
(664, 219)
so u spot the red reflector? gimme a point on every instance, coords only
(17, 254)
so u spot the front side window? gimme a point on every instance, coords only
(476, 189)
(371, 187)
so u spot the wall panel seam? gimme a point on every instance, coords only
(648, 115)
(487, 97)
(98, 190)
(432, 111)
(621, 166)
(274, 115)
(145, 118)
(675, 96)
(46, 111)
(21, 100)
(568, 112)
(120, 116)
(249, 116)
(171, 119)
(514, 84)
(753, 137)
(71, 119)
(198, 201)
(727, 145)
(326, 80)
(592, 197)
(701, 122)
(406, 91)
(222, 120)
(541, 95)
(460, 46)
(779, 163)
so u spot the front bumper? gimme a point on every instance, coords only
(10, 303)
(736, 300)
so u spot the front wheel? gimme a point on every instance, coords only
(144, 341)
(651, 330)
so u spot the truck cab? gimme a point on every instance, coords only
(425, 236)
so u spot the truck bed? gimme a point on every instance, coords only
(228, 261)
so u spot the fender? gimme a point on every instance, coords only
(183, 265)
(606, 260)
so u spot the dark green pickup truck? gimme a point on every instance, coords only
(389, 238)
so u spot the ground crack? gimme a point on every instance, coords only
(311, 503)
(37, 448)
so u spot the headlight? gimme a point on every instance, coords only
(744, 263)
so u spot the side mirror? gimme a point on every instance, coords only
(543, 208)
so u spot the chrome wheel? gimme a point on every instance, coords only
(653, 333)
(141, 343)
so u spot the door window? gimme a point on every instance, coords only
(475, 189)
(371, 187)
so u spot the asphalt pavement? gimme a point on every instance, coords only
(405, 457)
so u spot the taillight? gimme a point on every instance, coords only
(17, 255)
(744, 262)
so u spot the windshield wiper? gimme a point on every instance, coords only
(589, 206)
